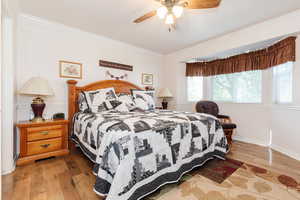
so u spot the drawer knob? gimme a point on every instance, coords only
(45, 145)
(45, 132)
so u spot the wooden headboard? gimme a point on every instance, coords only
(73, 91)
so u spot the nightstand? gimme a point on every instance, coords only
(42, 140)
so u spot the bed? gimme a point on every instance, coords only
(135, 153)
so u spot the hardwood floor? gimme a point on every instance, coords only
(70, 177)
(266, 158)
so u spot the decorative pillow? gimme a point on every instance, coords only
(127, 99)
(116, 105)
(82, 104)
(95, 99)
(144, 99)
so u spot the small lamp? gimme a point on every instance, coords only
(165, 93)
(38, 87)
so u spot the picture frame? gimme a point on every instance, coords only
(147, 79)
(69, 69)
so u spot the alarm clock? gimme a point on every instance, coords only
(58, 116)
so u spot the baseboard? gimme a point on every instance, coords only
(13, 167)
(249, 140)
(9, 170)
(286, 152)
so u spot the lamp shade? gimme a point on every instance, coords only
(37, 86)
(165, 93)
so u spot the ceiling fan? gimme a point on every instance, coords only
(170, 10)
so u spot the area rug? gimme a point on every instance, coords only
(230, 180)
(218, 170)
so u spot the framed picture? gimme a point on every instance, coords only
(147, 79)
(70, 69)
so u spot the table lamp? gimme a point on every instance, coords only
(37, 87)
(165, 93)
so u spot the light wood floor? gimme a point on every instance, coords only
(70, 177)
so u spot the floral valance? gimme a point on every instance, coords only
(279, 53)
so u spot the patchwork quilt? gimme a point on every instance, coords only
(135, 153)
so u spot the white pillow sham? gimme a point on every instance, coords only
(144, 99)
(127, 99)
(82, 104)
(96, 98)
(116, 105)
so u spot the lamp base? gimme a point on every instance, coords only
(37, 120)
(38, 107)
(164, 105)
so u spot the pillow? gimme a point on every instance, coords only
(144, 99)
(96, 98)
(127, 99)
(116, 105)
(82, 104)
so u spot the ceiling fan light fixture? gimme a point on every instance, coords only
(162, 12)
(177, 11)
(170, 19)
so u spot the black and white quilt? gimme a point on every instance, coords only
(135, 153)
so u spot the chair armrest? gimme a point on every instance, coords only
(223, 117)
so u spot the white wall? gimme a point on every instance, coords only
(43, 44)
(10, 12)
(1, 46)
(254, 120)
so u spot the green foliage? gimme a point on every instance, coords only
(244, 87)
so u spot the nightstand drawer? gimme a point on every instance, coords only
(44, 134)
(43, 146)
(43, 128)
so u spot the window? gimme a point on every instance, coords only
(283, 83)
(194, 88)
(244, 87)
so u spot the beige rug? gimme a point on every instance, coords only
(247, 183)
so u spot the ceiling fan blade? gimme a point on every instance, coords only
(146, 16)
(202, 4)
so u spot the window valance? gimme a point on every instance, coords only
(279, 53)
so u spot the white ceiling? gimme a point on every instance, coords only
(113, 19)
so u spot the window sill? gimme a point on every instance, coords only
(229, 102)
(195, 101)
(283, 104)
(225, 102)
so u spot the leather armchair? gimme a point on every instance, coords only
(210, 107)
